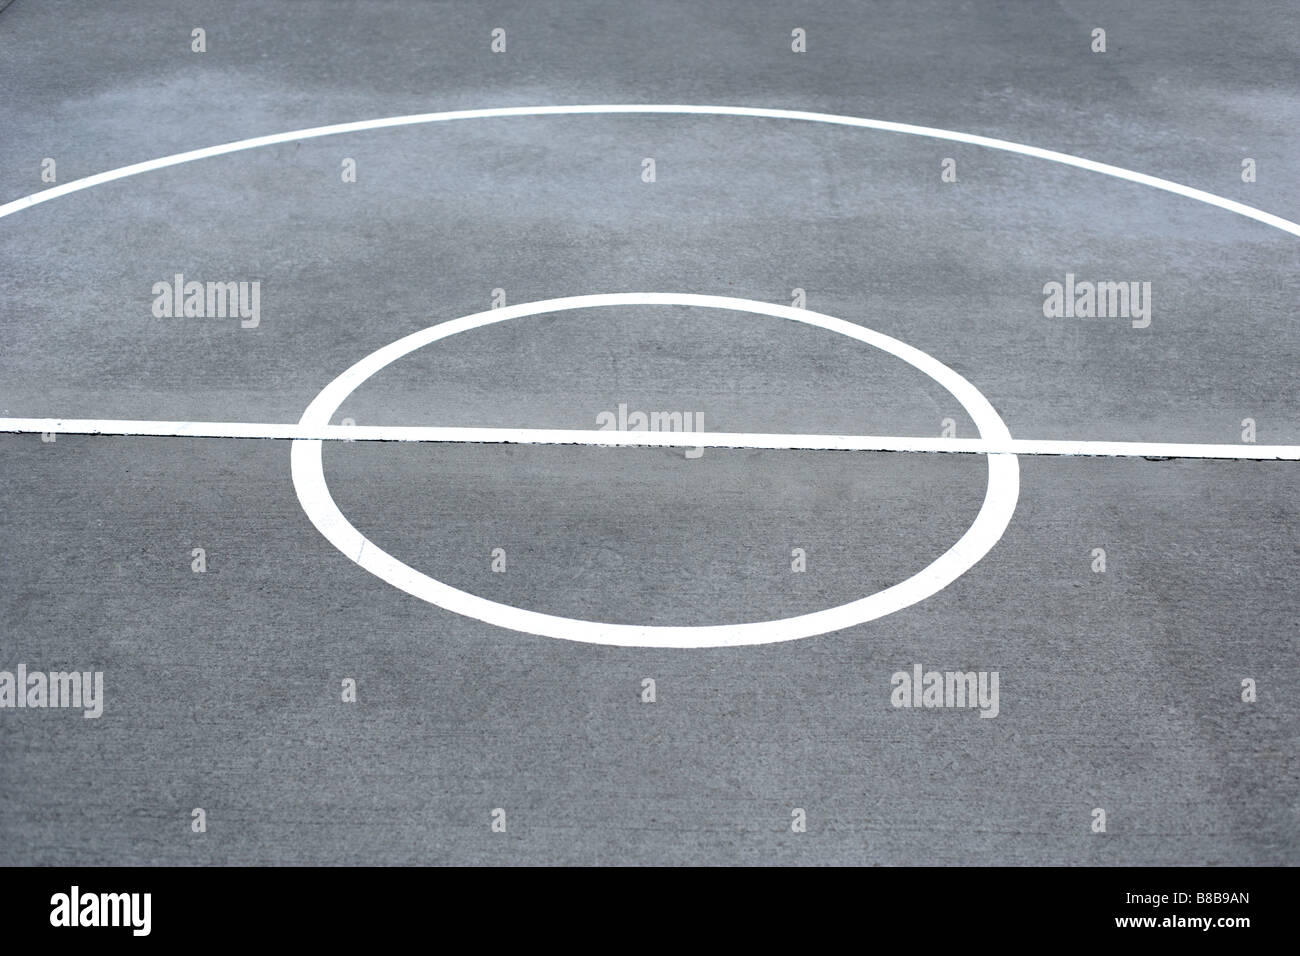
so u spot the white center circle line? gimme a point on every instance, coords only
(994, 515)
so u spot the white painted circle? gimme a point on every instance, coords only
(991, 521)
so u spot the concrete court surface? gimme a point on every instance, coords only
(1120, 690)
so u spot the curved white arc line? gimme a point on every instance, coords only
(985, 531)
(929, 132)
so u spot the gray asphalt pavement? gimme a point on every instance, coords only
(1120, 689)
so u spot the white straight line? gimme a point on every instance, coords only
(930, 132)
(1139, 449)
(574, 436)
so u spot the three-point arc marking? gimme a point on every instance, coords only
(417, 119)
(995, 441)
